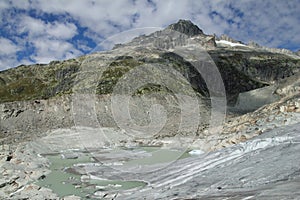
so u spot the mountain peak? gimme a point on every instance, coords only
(186, 27)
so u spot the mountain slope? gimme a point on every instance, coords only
(242, 69)
(43, 93)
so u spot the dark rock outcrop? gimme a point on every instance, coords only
(186, 27)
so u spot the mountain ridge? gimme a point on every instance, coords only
(242, 67)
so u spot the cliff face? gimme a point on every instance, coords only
(186, 27)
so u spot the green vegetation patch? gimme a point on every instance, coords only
(23, 89)
(37, 81)
(114, 72)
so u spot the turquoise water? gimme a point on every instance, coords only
(66, 183)
(159, 155)
(61, 182)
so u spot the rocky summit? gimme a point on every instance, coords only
(186, 27)
(176, 114)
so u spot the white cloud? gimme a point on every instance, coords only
(25, 4)
(50, 49)
(62, 31)
(37, 28)
(34, 27)
(7, 47)
(270, 22)
(4, 5)
(48, 39)
(83, 45)
(105, 18)
(6, 63)
(8, 54)
(98, 16)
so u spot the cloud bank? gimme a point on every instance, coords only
(34, 31)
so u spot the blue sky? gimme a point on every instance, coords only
(38, 31)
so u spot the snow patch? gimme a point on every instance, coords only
(229, 43)
(196, 152)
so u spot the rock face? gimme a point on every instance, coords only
(24, 120)
(186, 27)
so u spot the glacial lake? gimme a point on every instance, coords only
(77, 173)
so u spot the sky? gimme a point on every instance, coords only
(39, 31)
